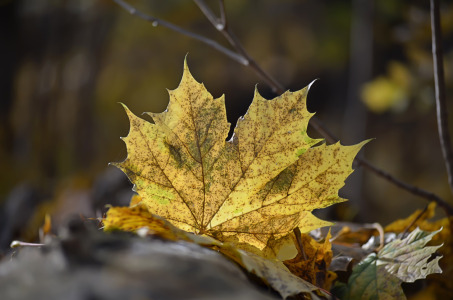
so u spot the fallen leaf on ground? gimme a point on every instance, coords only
(440, 285)
(137, 217)
(380, 275)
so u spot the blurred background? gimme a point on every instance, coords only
(65, 65)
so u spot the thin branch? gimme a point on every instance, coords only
(406, 230)
(242, 57)
(323, 130)
(223, 19)
(439, 82)
(236, 44)
(410, 188)
(208, 13)
(300, 245)
(156, 22)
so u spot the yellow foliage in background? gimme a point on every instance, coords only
(388, 92)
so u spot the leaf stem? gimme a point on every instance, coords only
(16, 244)
(439, 83)
(242, 57)
(300, 245)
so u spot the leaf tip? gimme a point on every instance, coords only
(311, 83)
(186, 66)
(128, 111)
(114, 164)
(187, 76)
(256, 92)
(257, 96)
(363, 143)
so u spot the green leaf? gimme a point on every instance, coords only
(379, 276)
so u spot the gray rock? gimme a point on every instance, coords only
(89, 264)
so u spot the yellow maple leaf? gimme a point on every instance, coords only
(254, 188)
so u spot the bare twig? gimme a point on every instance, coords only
(439, 82)
(236, 44)
(418, 217)
(209, 14)
(410, 188)
(223, 19)
(156, 22)
(242, 57)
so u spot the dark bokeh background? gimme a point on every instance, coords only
(64, 66)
